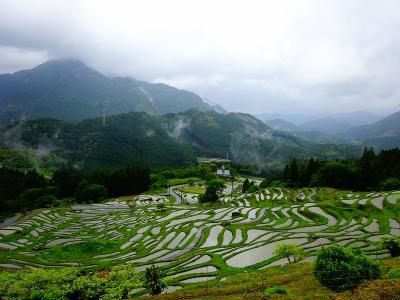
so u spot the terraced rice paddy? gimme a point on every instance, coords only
(195, 243)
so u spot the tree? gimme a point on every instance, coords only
(153, 280)
(90, 192)
(337, 175)
(245, 186)
(293, 174)
(393, 245)
(289, 251)
(340, 268)
(368, 171)
(389, 184)
(214, 188)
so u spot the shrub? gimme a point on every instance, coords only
(393, 245)
(275, 290)
(394, 273)
(90, 192)
(389, 184)
(160, 206)
(153, 280)
(70, 283)
(340, 268)
(376, 289)
(214, 187)
(289, 251)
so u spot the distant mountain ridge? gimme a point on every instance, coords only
(383, 134)
(336, 123)
(330, 124)
(69, 90)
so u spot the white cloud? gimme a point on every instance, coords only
(254, 55)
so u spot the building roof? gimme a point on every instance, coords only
(209, 160)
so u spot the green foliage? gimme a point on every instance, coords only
(389, 184)
(90, 192)
(153, 280)
(275, 290)
(370, 172)
(264, 184)
(335, 174)
(89, 286)
(290, 251)
(249, 186)
(160, 206)
(69, 283)
(394, 273)
(138, 138)
(392, 244)
(214, 187)
(340, 268)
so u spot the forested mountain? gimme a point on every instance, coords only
(281, 124)
(166, 140)
(313, 136)
(340, 122)
(383, 134)
(326, 125)
(69, 90)
(167, 99)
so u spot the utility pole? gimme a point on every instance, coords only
(232, 186)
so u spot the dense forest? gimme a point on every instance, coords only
(23, 191)
(371, 172)
(172, 140)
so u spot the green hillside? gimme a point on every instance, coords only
(70, 90)
(167, 140)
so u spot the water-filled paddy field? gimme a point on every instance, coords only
(195, 243)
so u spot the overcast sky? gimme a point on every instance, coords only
(256, 56)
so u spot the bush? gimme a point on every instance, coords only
(90, 192)
(289, 251)
(70, 283)
(389, 184)
(153, 280)
(394, 273)
(393, 245)
(275, 290)
(340, 268)
(214, 187)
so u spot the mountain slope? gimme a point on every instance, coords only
(166, 140)
(166, 99)
(281, 124)
(70, 90)
(387, 129)
(326, 125)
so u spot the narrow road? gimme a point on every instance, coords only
(178, 198)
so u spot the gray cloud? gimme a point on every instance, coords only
(304, 56)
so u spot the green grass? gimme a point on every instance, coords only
(178, 181)
(192, 189)
(298, 279)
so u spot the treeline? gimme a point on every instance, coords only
(371, 172)
(21, 191)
